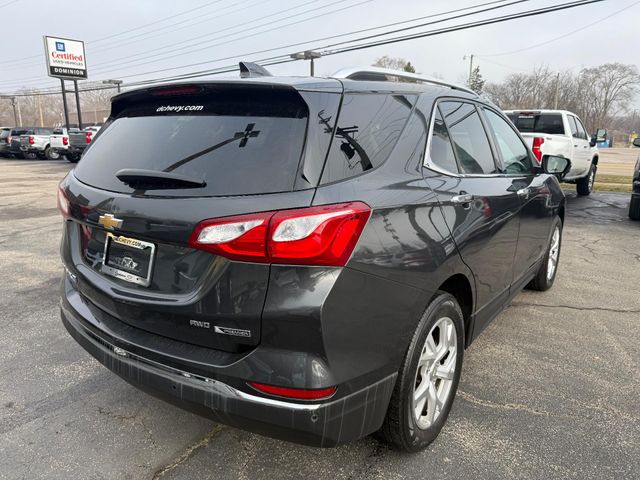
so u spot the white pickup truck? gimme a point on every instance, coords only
(35, 144)
(560, 133)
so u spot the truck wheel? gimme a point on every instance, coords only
(634, 207)
(73, 157)
(428, 378)
(51, 154)
(584, 186)
(547, 273)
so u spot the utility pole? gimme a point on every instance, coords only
(555, 98)
(14, 104)
(39, 98)
(470, 67)
(307, 55)
(17, 104)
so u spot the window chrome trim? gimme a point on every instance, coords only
(427, 163)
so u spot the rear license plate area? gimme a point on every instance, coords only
(128, 259)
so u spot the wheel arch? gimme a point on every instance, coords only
(460, 287)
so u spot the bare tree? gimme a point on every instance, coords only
(596, 94)
(394, 64)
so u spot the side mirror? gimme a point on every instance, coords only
(636, 142)
(593, 141)
(558, 166)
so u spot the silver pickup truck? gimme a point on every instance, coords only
(35, 144)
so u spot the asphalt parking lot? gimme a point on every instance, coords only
(550, 390)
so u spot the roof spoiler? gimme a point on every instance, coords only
(251, 70)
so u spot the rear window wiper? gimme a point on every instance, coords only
(151, 179)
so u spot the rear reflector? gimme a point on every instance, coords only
(537, 148)
(322, 235)
(297, 393)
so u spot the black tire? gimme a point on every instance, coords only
(29, 156)
(585, 185)
(73, 157)
(400, 427)
(50, 154)
(543, 281)
(634, 207)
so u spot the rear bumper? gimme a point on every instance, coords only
(324, 424)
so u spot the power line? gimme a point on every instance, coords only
(21, 82)
(454, 28)
(343, 35)
(122, 32)
(245, 35)
(561, 36)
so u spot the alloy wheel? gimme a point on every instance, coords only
(436, 370)
(554, 252)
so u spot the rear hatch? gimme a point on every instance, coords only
(242, 148)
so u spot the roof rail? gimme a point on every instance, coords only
(385, 73)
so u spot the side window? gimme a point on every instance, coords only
(514, 153)
(470, 141)
(368, 127)
(581, 130)
(441, 153)
(573, 126)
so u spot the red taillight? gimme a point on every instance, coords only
(322, 235)
(297, 393)
(88, 137)
(65, 140)
(31, 140)
(537, 148)
(63, 202)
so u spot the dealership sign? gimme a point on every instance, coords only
(65, 58)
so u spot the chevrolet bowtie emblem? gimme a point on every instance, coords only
(109, 222)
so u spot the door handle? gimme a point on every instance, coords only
(576, 146)
(463, 199)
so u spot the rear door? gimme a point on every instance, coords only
(479, 203)
(128, 240)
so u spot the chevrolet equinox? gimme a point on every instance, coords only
(304, 258)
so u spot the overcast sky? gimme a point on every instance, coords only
(216, 29)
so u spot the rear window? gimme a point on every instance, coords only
(239, 142)
(58, 131)
(550, 123)
(368, 127)
(18, 132)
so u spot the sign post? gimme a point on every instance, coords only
(66, 60)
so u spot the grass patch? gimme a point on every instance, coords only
(610, 183)
(611, 187)
(613, 179)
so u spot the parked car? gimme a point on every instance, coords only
(634, 203)
(218, 261)
(12, 142)
(35, 144)
(5, 132)
(79, 141)
(59, 140)
(560, 133)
